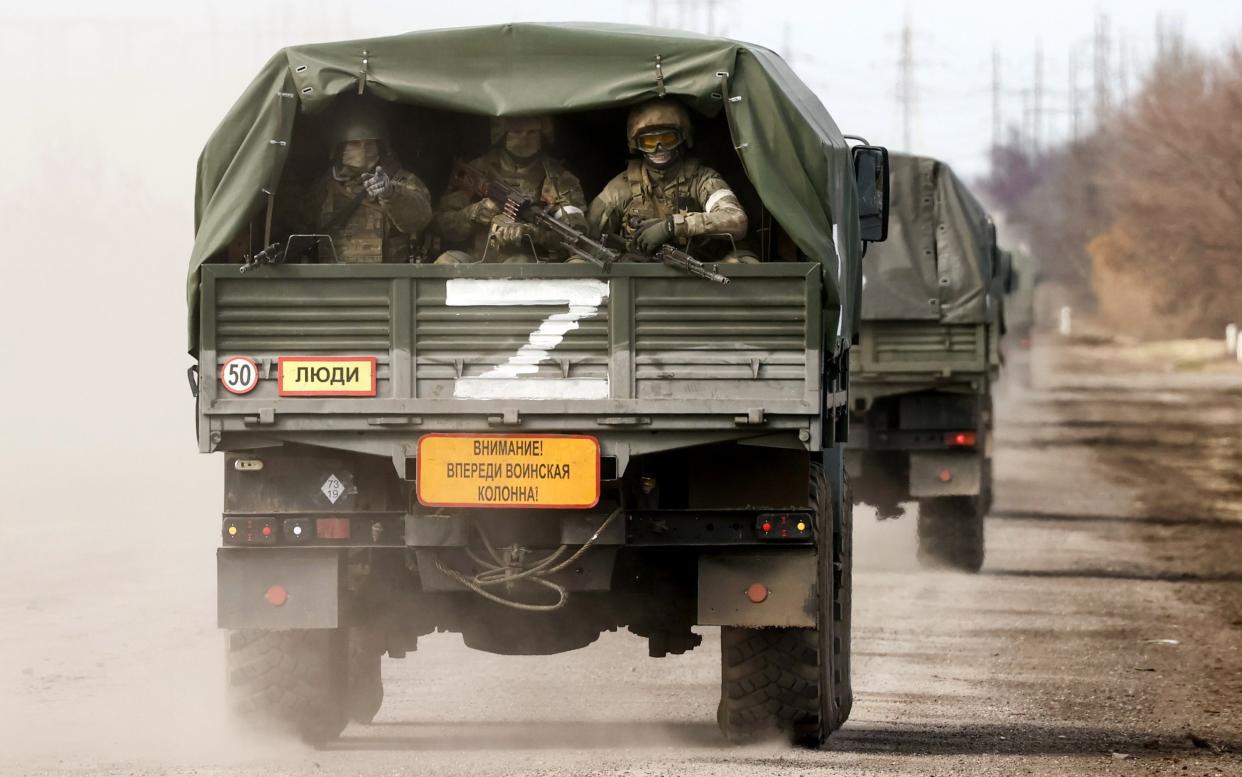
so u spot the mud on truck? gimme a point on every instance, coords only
(669, 456)
(921, 375)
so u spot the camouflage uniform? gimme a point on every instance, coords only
(464, 226)
(380, 229)
(692, 198)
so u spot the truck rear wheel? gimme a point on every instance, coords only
(287, 681)
(951, 532)
(795, 682)
(365, 693)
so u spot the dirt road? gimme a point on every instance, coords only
(1103, 637)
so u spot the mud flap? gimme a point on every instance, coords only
(278, 589)
(945, 474)
(788, 578)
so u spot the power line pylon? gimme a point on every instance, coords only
(998, 119)
(907, 90)
(1037, 100)
(1101, 47)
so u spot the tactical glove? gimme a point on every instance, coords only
(511, 233)
(378, 184)
(483, 211)
(653, 234)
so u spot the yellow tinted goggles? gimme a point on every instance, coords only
(650, 141)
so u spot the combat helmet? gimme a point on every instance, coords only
(358, 119)
(658, 113)
(500, 127)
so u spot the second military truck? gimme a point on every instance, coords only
(533, 454)
(921, 375)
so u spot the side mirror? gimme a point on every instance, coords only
(999, 255)
(871, 180)
(1008, 275)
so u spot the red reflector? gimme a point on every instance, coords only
(945, 476)
(332, 528)
(766, 527)
(267, 531)
(757, 592)
(276, 595)
(961, 439)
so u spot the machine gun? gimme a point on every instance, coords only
(273, 254)
(527, 210)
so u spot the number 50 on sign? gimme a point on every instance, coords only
(239, 374)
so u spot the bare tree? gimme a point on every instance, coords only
(1144, 212)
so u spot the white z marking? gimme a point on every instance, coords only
(508, 380)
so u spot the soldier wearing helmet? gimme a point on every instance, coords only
(477, 228)
(666, 195)
(373, 209)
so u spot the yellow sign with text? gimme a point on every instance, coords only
(554, 471)
(326, 376)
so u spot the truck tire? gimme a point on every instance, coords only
(986, 493)
(365, 693)
(286, 681)
(836, 642)
(794, 683)
(951, 532)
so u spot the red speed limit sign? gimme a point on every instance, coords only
(239, 374)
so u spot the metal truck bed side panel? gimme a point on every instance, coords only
(643, 347)
(903, 347)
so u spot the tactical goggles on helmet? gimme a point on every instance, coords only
(649, 142)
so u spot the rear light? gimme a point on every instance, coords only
(783, 526)
(961, 439)
(298, 529)
(288, 531)
(332, 528)
(249, 531)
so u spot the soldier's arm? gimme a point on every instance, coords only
(604, 215)
(409, 207)
(722, 211)
(568, 204)
(453, 216)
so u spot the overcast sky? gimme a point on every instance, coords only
(847, 51)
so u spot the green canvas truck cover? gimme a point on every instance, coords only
(937, 262)
(792, 151)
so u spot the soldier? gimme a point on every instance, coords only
(518, 158)
(667, 196)
(373, 209)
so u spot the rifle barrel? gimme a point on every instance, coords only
(678, 258)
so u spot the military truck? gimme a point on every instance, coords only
(669, 456)
(921, 376)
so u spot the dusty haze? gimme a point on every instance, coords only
(109, 651)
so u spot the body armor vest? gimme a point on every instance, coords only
(363, 238)
(649, 201)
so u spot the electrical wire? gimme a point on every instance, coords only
(500, 571)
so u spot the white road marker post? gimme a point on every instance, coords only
(1067, 321)
(1231, 339)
